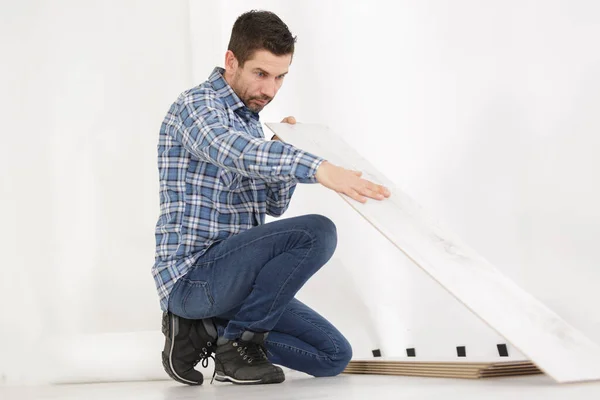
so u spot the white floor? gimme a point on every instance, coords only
(297, 387)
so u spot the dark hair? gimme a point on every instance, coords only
(260, 30)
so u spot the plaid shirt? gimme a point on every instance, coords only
(218, 175)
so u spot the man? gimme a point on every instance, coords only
(226, 280)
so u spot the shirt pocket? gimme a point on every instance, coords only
(230, 179)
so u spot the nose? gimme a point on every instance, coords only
(269, 89)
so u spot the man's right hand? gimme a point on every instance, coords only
(349, 183)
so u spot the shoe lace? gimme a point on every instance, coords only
(205, 354)
(251, 352)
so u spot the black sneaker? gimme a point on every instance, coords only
(244, 361)
(187, 342)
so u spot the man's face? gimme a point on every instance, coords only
(257, 82)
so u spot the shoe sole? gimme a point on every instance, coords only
(167, 359)
(265, 380)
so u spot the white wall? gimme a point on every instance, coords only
(85, 88)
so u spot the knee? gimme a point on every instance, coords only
(323, 230)
(337, 362)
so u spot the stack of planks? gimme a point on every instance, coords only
(448, 369)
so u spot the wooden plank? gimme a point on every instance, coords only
(423, 375)
(377, 361)
(561, 351)
(426, 368)
(457, 369)
(447, 371)
(445, 375)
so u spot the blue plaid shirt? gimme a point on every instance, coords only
(218, 175)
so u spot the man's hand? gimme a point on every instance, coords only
(287, 120)
(349, 183)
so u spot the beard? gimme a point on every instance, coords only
(257, 103)
(253, 103)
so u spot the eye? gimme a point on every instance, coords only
(260, 74)
(280, 77)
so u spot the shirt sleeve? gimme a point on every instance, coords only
(204, 131)
(279, 196)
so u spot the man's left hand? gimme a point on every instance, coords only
(287, 120)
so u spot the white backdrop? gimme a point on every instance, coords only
(85, 87)
(485, 112)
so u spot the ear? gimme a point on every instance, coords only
(231, 63)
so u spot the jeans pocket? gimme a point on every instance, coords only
(196, 300)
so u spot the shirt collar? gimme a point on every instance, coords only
(227, 93)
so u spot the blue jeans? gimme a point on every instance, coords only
(248, 283)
